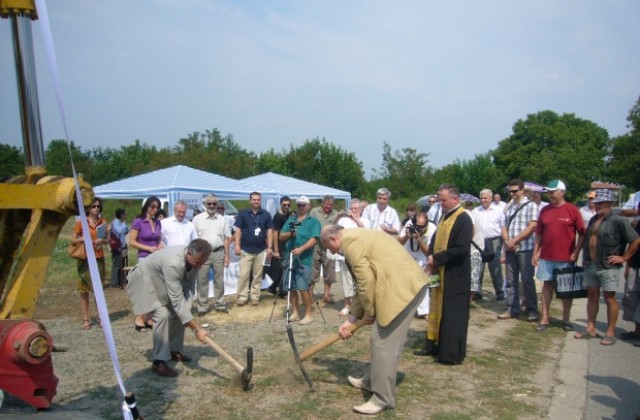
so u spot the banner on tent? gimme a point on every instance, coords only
(193, 200)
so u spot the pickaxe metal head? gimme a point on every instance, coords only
(247, 373)
(296, 356)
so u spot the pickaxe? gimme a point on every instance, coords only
(245, 373)
(299, 358)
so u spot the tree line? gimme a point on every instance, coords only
(543, 146)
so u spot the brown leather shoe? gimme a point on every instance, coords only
(163, 369)
(180, 357)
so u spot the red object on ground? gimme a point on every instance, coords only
(26, 369)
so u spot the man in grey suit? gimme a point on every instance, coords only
(164, 284)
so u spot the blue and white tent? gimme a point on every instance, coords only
(294, 188)
(178, 182)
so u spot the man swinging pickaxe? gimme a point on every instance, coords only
(299, 358)
(390, 285)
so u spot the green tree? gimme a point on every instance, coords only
(404, 172)
(325, 163)
(11, 161)
(271, 161)
(546, 146)
(58, 161)
(471, 176)
(212, 152)
(625, 152)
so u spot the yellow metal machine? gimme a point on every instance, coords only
(33, 209)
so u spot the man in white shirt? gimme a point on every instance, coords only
(214, 228)
(588, 211)
(497, 202)
(435, 210)
(381, 215)
(177, 230)
(632, 208)
(489, 219)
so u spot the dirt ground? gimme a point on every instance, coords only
(208, 387)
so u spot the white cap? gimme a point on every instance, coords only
(303, 199)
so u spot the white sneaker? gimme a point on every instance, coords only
(369, 408)
(344, 312)
(358, 383)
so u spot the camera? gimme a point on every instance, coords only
(293, 225)
(415, 228)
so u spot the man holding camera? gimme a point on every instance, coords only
(416, 236)
(301, 233)
(279, 220)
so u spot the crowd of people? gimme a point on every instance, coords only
(429, 265)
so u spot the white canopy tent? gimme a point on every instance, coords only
(294, 188)
(181, 183)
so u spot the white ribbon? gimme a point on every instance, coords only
(103, 311)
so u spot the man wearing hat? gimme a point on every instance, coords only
(555, 247)
(300, 234)
(604, 254)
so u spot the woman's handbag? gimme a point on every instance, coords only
(486, 256)
(77, 251)
(114, 242)
(569, 284)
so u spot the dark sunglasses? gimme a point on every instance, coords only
(211, 204)
(514, 191)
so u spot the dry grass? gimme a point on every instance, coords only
(499, 378)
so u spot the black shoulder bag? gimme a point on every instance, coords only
(486, 256)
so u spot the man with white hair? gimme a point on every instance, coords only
(381, 215)
(177, 230)
(214, 228)
(490, 219)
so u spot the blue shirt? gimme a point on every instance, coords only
(120, 228)
(254, 228)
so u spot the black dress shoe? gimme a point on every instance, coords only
(162, 369)
(272, 290)
(424, 352)
(180, 357)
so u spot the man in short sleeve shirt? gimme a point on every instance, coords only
(517, 235)
(214, 228)
(555, 247)
(253, 243)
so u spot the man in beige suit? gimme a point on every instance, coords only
(389, 287)
(164, 284)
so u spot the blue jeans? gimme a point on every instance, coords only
(519, 267)
(495, 268)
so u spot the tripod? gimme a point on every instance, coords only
(291, 243)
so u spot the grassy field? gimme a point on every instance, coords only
(509, 372)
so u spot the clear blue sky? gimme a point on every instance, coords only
(446, 78)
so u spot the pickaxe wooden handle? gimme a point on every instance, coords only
(329, 341)
(245, 373)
